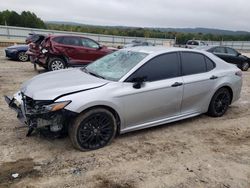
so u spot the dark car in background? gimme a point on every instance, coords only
(17, 52)
(135, 43)
(229, 55)
(56, 52)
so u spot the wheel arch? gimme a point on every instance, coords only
(19, 51)
(228, 88)
(63, 57)
(112, 110)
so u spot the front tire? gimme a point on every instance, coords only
(93, 129)
(245, 66)
(22, 56)
(56, 64)
(219, 103)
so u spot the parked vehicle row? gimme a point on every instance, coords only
(17, 52)
(57, 52)
(135, 43)
(229, 55)
(128, 90)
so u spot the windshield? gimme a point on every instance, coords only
(114, 66)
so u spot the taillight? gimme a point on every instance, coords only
(238, 73)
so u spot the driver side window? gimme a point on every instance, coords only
(89, 43)
(231, 52)
(159, 68)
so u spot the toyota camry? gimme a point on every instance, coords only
(128, 90)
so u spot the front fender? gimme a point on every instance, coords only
(89, 99)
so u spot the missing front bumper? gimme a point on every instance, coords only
(11, 103)
(55, 121)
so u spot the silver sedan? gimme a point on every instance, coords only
(127, 90)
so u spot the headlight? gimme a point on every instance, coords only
(44, 51)
(56, 106)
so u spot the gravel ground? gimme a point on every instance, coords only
(198, 152)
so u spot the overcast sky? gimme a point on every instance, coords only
(222, 14)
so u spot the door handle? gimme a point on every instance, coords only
(176, 84)
(213, 77)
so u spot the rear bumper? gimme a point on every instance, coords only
(37, 58)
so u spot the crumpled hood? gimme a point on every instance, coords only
(49, 86)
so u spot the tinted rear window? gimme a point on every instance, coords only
(73, 41)
(220, 50)
(210, 64)
(58, 39)
(192, 63)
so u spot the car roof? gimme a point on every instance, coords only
(64, 35)
(154, 50)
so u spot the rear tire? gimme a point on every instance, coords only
(22, 56)
(219, 103)
(245, 66)
(56, 63)
(93, 129)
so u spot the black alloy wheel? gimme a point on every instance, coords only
(220, 103)
(93, 130)
(245, 66)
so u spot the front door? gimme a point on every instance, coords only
(159, 96)
(91, 50)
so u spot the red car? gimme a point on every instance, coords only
(57, 52)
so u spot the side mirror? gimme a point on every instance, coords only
(138, 81)
(238, 54)
(100, 46)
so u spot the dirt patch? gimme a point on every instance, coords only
(103, 182)
(22, 168)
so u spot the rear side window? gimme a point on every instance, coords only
(73, 41)
(210, 64)
(161, 67)
(231, 52)
(192, 63)
(220, 50)
(58, 39)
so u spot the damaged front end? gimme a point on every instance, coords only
(41, 114)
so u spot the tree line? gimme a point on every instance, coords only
(24, 19)
(29, 19)
(181, 38)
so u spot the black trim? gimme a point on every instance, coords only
(76, 92)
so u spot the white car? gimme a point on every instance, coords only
(131, 89)
(195, 43)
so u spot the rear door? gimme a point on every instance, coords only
(198, 79)
(69, 47)
(232, 56)
(221, 53)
